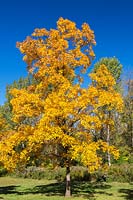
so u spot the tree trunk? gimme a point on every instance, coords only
(68, 186)
(108, 141)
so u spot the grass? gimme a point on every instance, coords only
(30, 189)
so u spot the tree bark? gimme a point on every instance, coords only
(68, 185)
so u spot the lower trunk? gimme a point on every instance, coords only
(68, 186)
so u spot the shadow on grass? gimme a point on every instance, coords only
(101, 189)
(49, 189)
(84, 189)
(127, 193)
(87, 189)
(8, 190)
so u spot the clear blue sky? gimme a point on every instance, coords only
(111, 20)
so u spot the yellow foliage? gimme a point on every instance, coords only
(61, 112)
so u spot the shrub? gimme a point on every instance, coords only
(80, 173)
(77, 173)
(121, 173)
(40, 173)
(3, 171)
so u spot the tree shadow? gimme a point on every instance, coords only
(127, 193)
(49, 189)
(101, 188)
(8, 190)
(84, 189)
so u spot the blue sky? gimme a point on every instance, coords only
(111, 20)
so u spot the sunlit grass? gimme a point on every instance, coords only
(31, 189)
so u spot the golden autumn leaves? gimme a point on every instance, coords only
(55, 110)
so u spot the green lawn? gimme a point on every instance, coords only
(29, 189)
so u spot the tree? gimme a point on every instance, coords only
(113, 65)
(127, 117)
(108, 132)
(129, 113)
(63, 114)
(6, 109)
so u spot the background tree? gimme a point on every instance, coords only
(6, 109)
(109, 133)
(126, 142)
(63, 114)
(129, 113)
(113, 65)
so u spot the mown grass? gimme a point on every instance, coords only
(30, 189)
